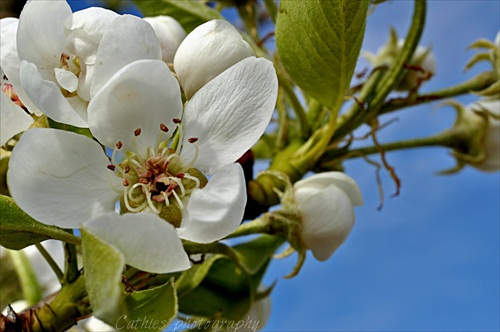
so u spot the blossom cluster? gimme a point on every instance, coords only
(155, 121)
(175, 134)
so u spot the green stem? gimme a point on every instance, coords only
(32, 292)
(294, 102)
(71, 272)
(315, 114)
(397, 71)
(69, 304)
(281, 136)
(356, 114)
(271, 9)
(445, 139)
(53, 265)
(247, 15)
(381, 82)
(257, 226)
(477, 83)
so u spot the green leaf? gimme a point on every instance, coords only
(319, 42)
(19, 230)
(190, 279)
(103, 269)
(254, 254)
(219, 288)
(152, 309)
(190, 14)
(225, 292)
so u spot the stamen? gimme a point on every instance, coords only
(151, 204)
(64, 61)
(132, 198)
(137, 132)
(163, 128)
(195, 157)
(196, 181)
(179, 184)
(113, 156)
(125, 182)
(127, 204)
(176, 120)
(181, 206)
(167, 202)
(136, 163)
(111, 167)
(126, 169)
(192, 139)
(151, 151)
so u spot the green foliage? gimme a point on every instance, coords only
(103, 270)
(18, 230)
(218, 288)
(190, 14)
(319, 42)
(157, 305)
(151, 309)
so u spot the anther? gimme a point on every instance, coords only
(126, 169)
(137, 132)
(111, 167)
(192, 139)
(176, 120)
(125, 182)
(119, 145)
(180, 175)
(163, 128)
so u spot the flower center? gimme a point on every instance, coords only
(157, 181)
(67, 74)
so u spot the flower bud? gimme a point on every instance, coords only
(206, 52)
(170, 33)
(477, 135)
(326, 203)
(490, 143)
(421, 67)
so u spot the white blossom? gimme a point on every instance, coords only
(64, 179)
(206, 52)
(170, 33)
(326, 203)
(491, 144)
(13, 118)
(61, 59)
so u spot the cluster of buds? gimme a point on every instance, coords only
(421, 67)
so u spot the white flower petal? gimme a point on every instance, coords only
(127, 39)
(40, 35)
(49, 98)
(206, 52)
(142, 95)
(170, 33)
(85, 29)
(341, 180)
(147, 242)
(66, 79)
(230, 113)
(327, 220)
(60, 178)
(10, 63)
(13, 119)
(216, 210)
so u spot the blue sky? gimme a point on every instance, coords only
(429, 261)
